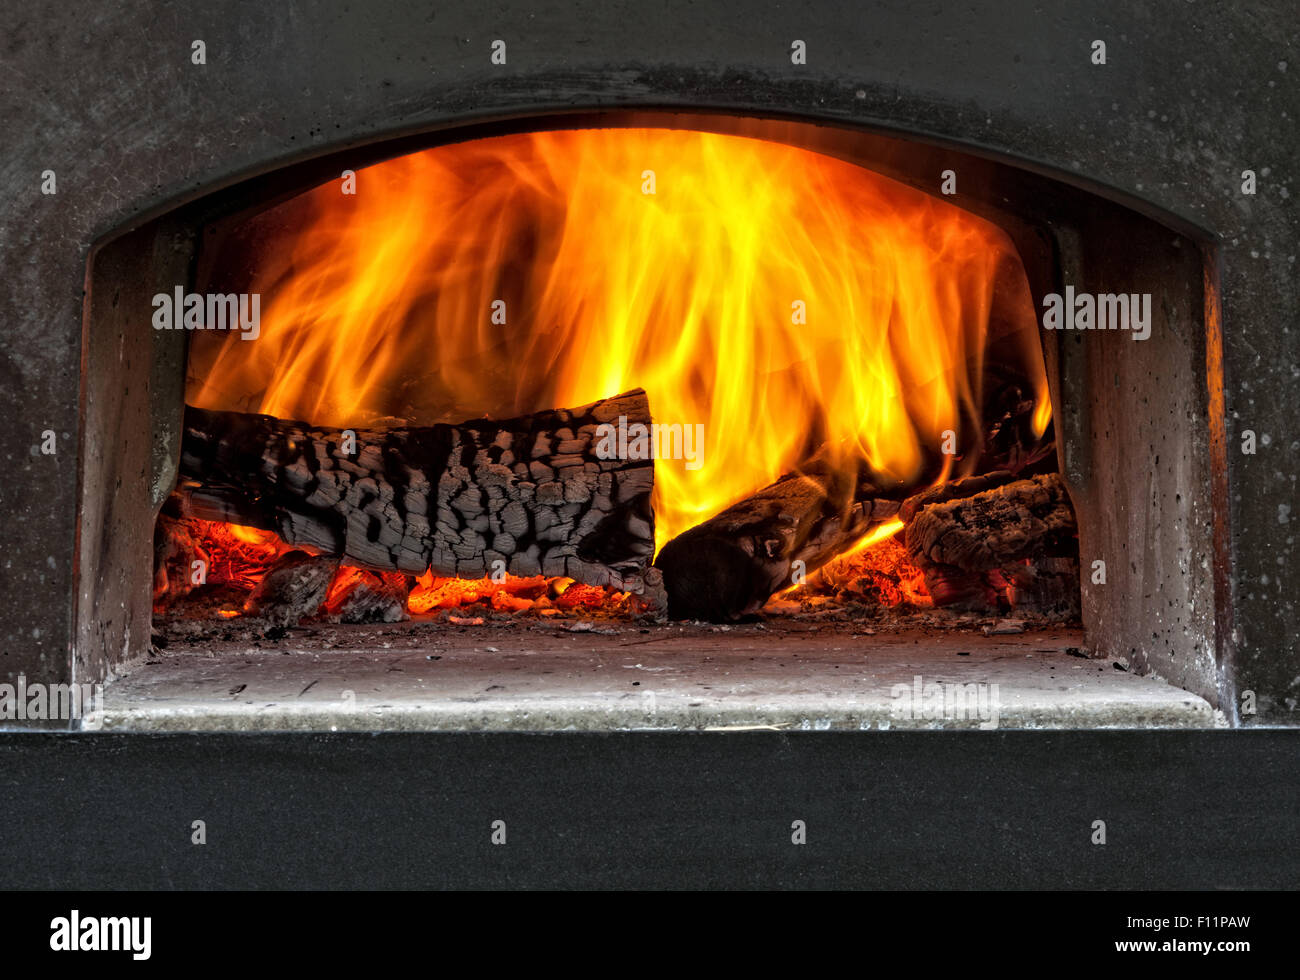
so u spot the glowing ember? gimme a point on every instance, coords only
(878, 535)
(433, 592)
(240, 556)
(511, 594)
(881, 575)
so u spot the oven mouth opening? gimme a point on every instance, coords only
(537, 403)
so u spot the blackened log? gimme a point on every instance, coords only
(359, 595)
(959, 489)
(991, 527)
(292, 589)
(532, 493)
(730, 565)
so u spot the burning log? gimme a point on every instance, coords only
(731, 564)
(358, 595)
(530, 493)
(293, 588)
(960, 489)
(971, 539)
(958, 531)
(175, 552)
(987, 522)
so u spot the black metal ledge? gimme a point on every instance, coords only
(969, 810)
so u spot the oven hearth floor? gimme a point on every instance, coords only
(518, 677)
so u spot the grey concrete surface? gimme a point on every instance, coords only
(517, 678)
(106, 96)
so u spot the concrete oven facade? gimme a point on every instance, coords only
(1168, 169)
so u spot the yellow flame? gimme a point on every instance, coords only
(252, 535)
(779, 298)
(1042, 412)
(877, 534)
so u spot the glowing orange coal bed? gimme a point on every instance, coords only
(772, 301)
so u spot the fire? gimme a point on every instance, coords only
(878, 534)
(1042, 412)
(240, 555)
(885, 574)
(780, 298)
(433, 592)
(511, 594)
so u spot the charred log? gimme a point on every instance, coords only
(991, 527)
(730, 565)
(531, 493)
(358, 595)
(292, 589)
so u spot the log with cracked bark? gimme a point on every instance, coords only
(971, 539)
(986, 522)
(730, 565)
(531, 492)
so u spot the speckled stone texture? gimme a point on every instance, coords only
(548, 678)
(105, 95)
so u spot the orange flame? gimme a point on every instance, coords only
(779, 298)
(876, 535)
(1042, 411)
(240, 555)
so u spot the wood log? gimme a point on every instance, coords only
(730, 565)
(292, 589)
(956, 588)
(992, 527)
(959, 489)
(531, 493)
(971, 538)
(175, 551)
(1048, 585)
(359, 595)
